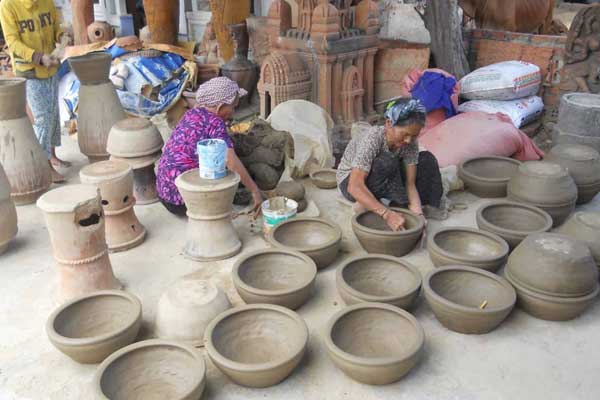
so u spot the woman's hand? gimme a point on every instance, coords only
(416, 208)
(394, 220)
(49, 61)
(257, 200)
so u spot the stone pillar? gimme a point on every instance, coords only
(324, 83)
(368, 82)
(338, 72)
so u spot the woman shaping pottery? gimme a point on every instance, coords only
(385, 163)
(31, 31)
(216, 101)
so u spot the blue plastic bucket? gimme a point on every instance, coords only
(212, 158)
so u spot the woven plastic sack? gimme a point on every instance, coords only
(508, 80)
(521, 111)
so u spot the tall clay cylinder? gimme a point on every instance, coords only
(25, 163)
(99, 106)
(163, 20)
(8, 213)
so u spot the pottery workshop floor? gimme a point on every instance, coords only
(525, 358)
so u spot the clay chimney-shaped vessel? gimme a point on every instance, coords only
(8, 213)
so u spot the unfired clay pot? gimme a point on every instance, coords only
(467, 299)
(239, 68)
(555, 276)
(144, 177)
(324, 178)
(186, 308)
(275, 276)
(152, 369)
(547, 186)
(512, 221)
(99, 106)
(378, 279)
(134, 137)
(316, 237)
(8, 213)
(211, 235)
(91, 327)
(585, 226)
(488, 176)
(583, 164)
(24, 162)
(114, 179)
(467, 246)
(375, 236)
(75, 222)
(257, 345)
(374, 343)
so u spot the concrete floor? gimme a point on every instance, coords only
(524, 358)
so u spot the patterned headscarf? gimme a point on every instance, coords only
(399, 110)
(217, 91)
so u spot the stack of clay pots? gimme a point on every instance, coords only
(8, 213)
(583, 164)
(137, 142)
(547, 186)
(578, 118)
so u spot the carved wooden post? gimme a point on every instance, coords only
(163, 20)
(225, 13)
(83, 15)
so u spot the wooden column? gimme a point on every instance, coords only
(224, 13)
(163, 20)
(338, 72)
(360, 64)
(368, 82)
(83, 15)
(325, 72)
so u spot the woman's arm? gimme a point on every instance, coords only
(414, 201)
(234, 164)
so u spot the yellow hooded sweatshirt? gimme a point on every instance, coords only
(31, 29)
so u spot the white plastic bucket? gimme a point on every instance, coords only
(212, 158)
(276, 210)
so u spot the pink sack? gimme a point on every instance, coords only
(477, 134)
(436, 116)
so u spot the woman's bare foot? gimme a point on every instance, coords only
(56, 176)
(57, 162)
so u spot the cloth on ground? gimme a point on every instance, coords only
(435, 91)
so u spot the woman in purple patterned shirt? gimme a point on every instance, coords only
(216, 101)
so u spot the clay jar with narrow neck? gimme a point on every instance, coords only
(239, 68)
(8, 213)
(99, 106)
(24, 162)
(114, 179)
(211, 234)
(75, 222)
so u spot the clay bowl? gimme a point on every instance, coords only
(468, 300)
(186, 308)
(324, 178)
(91, 68)
(281, 277)
(467, 246)
(512, 221)
(257, 345)
(585, 226)
(488, 176)
(91, 327)
(316, 237)
(152, 369)
(378, 279)
(583, 164)
(134, 137)
(376, 237)
(374, 343)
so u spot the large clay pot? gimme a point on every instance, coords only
(134, 137)
(25, 163)
(163, 20)
(583, 164)
(585, 226)
(8, 213)
(99, 106)
(239, 68)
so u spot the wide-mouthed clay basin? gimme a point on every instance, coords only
(585, 226)
(467, 246)
(488, 176)
(374, 343)
(275, 276)
(512, 221)
(324, 178)
(134, 137)
(257, 345)
(91, 327)
(377, 278)
(467, 299)
(316, 237)
(375, 235)
(152, 370)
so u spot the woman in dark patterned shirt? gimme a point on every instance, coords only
(216, 101)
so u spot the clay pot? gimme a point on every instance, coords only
(239, 68)
(158, 369)
(144, 178)
(75, 222)
(583, 164)
(211, 235)
(99, 106)
(290, 189)
(100, 31)
(468, 300)
(8, 213)
(114, 179)
(134, 137)
(91, 327)
(467, 246)
(257, 345)
(374, 343)
(375, 236)
(24, 162)
(316, 237)
(186, 308)
(488, 176)
(547, 186)
(512, 221)
(281, 277)
(324, 178)
(585, 227)
(163, 20)
(378, 279)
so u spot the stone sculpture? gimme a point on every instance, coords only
(8, 213)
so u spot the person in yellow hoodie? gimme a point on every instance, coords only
(31, 31)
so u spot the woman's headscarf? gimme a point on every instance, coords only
(217, 91)
(400, 110)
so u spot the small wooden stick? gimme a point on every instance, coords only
(483, 305)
